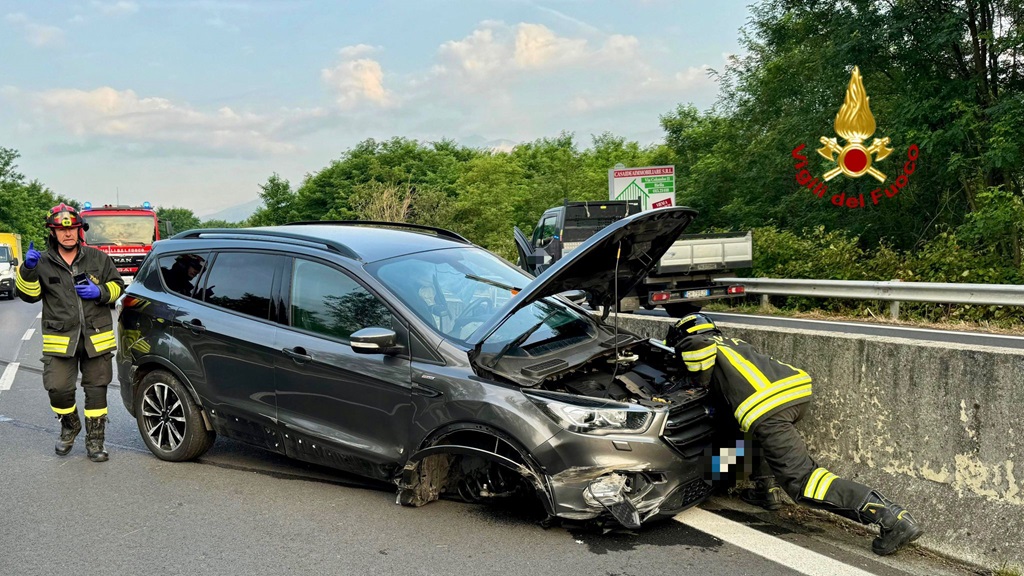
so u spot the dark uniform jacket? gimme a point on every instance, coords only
(66, 317)
(754, 384)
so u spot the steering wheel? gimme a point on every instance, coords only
(478, 307)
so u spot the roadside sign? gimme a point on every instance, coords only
(654, 186)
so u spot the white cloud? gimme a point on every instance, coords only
(356, 81)
(497, 54)
(122, 118)
(538, 47)
(116, 8)
(38, 35)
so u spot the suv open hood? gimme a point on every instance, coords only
(633, 246)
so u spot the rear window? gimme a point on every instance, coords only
(183, 273)
(242, 282)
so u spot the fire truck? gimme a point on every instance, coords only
(126, 233)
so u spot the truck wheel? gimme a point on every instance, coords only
(680, 309)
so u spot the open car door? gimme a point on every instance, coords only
(527, 261)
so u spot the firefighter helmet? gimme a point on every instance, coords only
(64, 216)
(696, 323)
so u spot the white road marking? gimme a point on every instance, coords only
(775, 549)
(28, 334)
(8, 377)
(39, 316)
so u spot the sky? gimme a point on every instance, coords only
(194, 103)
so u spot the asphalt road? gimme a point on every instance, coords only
(239, 510)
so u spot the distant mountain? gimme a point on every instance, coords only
(500, 145)
(235, 213)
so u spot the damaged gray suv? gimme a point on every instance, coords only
(407, 354)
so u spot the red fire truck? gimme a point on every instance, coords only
(126, 233)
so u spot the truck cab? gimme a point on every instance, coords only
(125, 233)
(10, 250)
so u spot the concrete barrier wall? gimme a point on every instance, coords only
(935, 427)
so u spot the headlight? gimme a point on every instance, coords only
(592, 415)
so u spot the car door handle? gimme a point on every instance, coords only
(298, 354)
(195, 325)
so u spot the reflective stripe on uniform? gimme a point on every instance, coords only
(63, 411)
(95, 413)
(55, 343)
(787, 390)
(818, 484)
(113, 289)
(750, 372)
(702, 354)
(702, 365)
(103, 340)
(32, 289)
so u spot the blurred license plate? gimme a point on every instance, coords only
(696, 293)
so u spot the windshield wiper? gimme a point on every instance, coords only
(494, 283)
(518, 340)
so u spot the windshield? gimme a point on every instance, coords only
(119, 230)
(5, 254)
(458, 289)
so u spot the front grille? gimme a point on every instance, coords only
(689, 429)
(127, 260)
(686, 495)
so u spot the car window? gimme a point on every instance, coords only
(328, 302)
(183, 273)
(546, 229)
(241, 281)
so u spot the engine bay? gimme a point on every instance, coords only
(645, 372)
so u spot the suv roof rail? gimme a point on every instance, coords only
(264, 234)
(439, 231)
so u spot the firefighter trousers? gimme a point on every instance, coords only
(784, 455)
(60, 374)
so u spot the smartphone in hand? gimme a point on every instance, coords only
(82, 278)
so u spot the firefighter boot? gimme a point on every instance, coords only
(896, 526)
(70, 426)
(766, 493)
(94, 438)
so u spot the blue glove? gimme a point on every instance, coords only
(32, 256)
(87, 291)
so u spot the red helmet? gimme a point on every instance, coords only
(64, 216)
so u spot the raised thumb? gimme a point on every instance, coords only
(31, 245)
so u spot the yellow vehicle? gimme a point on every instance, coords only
(10, 256)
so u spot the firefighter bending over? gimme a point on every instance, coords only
(767, 398)
(76, 284)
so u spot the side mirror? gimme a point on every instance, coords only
(374, 341)
(578, 297)
(14, 262)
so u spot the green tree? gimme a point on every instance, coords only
(279, 203)
(181, 219)
(24, 205)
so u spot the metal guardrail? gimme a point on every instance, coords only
(894, 291)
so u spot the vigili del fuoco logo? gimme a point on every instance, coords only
(855, 124)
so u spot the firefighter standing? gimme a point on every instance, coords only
(767, 398)
(76, 284)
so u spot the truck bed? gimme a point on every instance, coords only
(708, 253)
